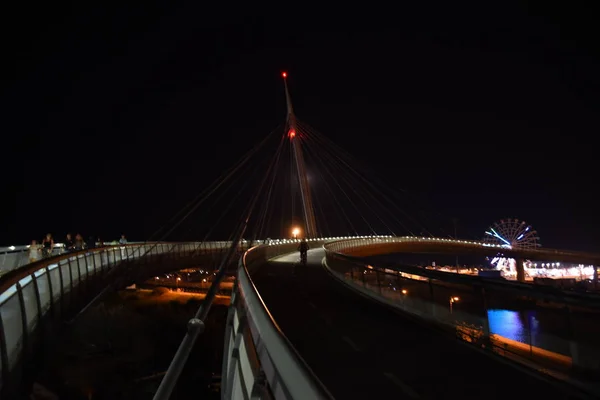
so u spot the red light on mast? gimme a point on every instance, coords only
(291, 133)
(284, 74)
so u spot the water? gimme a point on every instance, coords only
(540, 327)
(525, 326)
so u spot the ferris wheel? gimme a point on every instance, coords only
(512, 233)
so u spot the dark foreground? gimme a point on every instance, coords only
(121, 348)
(360, 349)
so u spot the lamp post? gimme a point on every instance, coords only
(453, 300)
(295, 232)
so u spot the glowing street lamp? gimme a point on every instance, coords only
(296, 232)
(453, 300)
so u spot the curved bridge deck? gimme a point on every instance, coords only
(360, 349)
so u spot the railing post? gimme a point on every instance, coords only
(25, 333)
(235, 350)
(51, 290)
(38, 300)
(70, 278)
(259, 388)
(62, 290)
(4, 354)
(79, 272)
(104, 265)
(93, 255)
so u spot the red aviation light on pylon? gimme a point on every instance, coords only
(284, 74)
(292, 134)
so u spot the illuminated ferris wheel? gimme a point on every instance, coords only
(513, 234)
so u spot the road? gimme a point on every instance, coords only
(360, 349)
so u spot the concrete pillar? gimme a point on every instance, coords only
(595, 277)
(520, 269)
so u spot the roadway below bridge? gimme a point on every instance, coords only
(361, 349)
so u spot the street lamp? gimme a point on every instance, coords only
(296, 232)
(453, 300)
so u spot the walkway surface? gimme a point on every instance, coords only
(362, 350)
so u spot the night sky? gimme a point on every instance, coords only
(113, 119)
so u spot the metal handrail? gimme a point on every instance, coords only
(313, 387)
(195, 327)
(257, 308)
(10, 277)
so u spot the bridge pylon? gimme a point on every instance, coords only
(296, 137)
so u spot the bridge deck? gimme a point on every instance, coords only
(360, 349)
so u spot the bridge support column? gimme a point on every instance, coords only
(595, 277)
(520, 267)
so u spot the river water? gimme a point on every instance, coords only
(527, 326)
(537, 326)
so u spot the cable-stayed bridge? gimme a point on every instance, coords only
(347, 324)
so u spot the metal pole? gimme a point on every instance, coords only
(195, 326)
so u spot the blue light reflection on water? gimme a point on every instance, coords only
(525, 327)
(513, 325)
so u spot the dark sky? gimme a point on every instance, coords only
(113, 119)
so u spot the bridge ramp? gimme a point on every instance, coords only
(360, 349)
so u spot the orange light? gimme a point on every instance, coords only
(284, 74)
(404, 291)
(292, 133)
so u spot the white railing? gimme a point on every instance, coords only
(30, 293)
(13, 257)
(259, 362)
(348, 244)
(459, 304)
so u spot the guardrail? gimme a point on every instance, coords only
(259, 361)
(462, 305)
(13, 257)
(32, 293)
(258, 358)
(374, 246)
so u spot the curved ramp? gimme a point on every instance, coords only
(360, 349)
